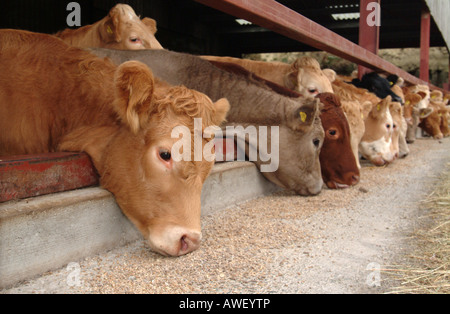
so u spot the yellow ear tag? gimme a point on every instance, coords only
(422, 114)
(391, 83)
(303, 116)
(378, 107)
(109, 30)
(440, 115)
(407, 102)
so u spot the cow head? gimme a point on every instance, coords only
(436, 124)
(337, 161)
(376, 142)
(413, 113)
(377, 85)
(123, 29)
(159, 195)
(396, 110)
(306, 77)
(299, 140)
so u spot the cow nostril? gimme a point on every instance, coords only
(184, 245)
(189, 242)
(355, 179)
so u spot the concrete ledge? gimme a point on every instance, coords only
(47, 232)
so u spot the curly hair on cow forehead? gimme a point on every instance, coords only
(185, 101)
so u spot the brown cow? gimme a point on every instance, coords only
(121, 29)
(338, 163)
(57, 97)
(304, 75)
(252, 104)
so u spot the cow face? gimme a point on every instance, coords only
(377, 85)
(413, 113)
(122, 29)
(299, 141)
(395, 108)
(306, 77)
(376, 142)
(159, 195)
(337, 161)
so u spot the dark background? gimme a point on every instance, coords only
(187, 26)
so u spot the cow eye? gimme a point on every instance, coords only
(165, 155)
(135, 39)
(394, 126)
(332, 132)
(312, 90)
(316, 142)
(388, 126)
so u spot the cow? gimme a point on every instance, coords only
(413, 114)
(436, 124)
(54, 97)
(303, 75)
(301, 134)
(356, 103)
(377, 85)
(401, 124)
(121, 29)
(398, 130)
(376, 143)
(337, 161)
(339, 167)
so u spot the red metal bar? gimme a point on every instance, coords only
(369, 35)
(33, 175)
(425, 46)
(280, 19)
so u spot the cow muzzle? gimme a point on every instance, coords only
(175, 241)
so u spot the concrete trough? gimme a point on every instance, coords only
(44, 233)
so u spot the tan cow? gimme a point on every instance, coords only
(121, 29)
(376, 144)
(414, 112)
(56, 97)
(436, 124)
(356, 103)
(303, 76)
(398, 130)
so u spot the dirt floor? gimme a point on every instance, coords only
(336, 242)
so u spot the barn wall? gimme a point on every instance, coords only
(440, 10)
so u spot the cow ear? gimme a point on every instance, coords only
(366, 108)
(303, 117)
(381, 108)
(222, 106)
(423, 95)
(291, 78)
(425, 112)
(330, 74)
(134, 84)
(108, 29)
(151, 24)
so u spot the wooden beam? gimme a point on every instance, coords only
(369, 33)
(33, 175)
(280, 19)
(425, 46)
